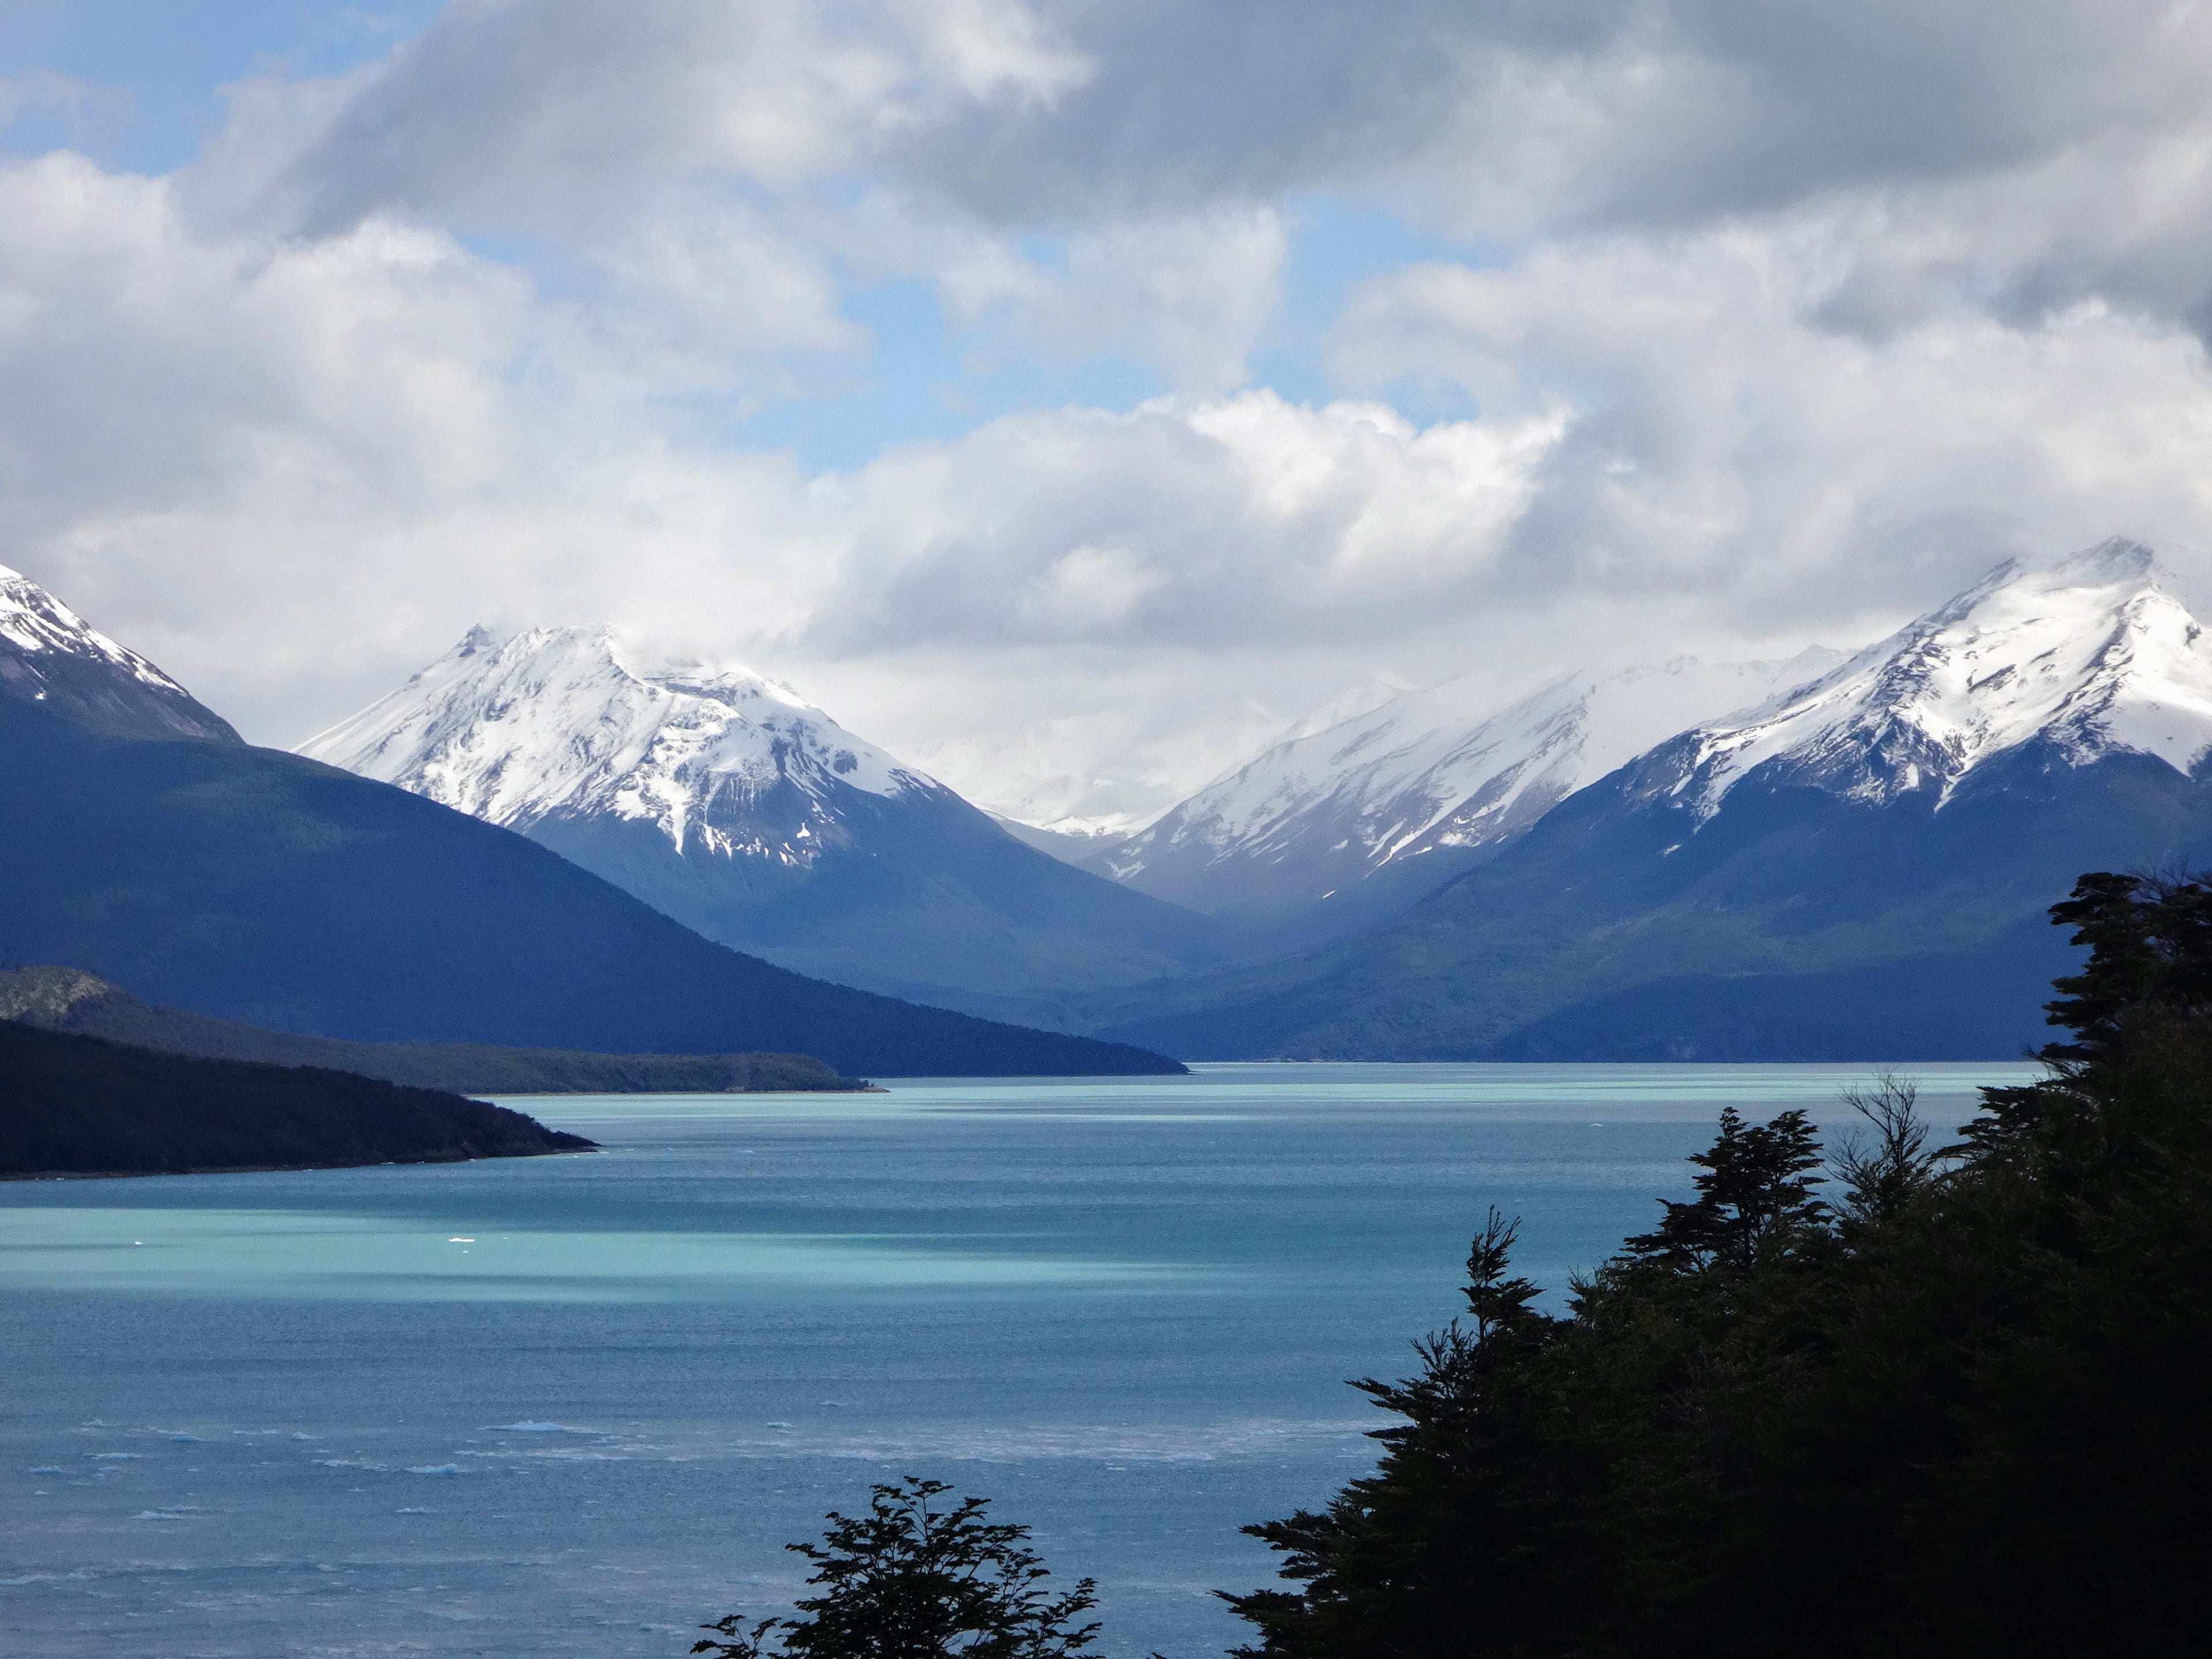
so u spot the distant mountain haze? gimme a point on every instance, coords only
(728, 802)
(1856, 869)
(1383, 795)
(146, 844)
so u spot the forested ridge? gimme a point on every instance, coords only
(83, 1105)
(1928, 1400)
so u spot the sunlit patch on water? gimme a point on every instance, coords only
(294, 1252)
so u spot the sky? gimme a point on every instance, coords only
(1067, 394)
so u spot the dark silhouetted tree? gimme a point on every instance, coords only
(1961, 1412)
(916, 1577)
(1756, 1190)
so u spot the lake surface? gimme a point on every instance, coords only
(574, 1406)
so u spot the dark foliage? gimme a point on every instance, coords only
(916, 1578)
(80, 1105)
(1959, 1410)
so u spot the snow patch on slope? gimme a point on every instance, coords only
(559, 722)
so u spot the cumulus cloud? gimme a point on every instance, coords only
(1731, 438)
(1243, 520)
(537, 112)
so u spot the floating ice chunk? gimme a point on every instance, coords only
(49, 1468)
(411, 1509)
(435, 1468)
(111, 1457)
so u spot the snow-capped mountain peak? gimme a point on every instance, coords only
(1387, 775)
(559, 722)
(2088, 653)
(50, 654)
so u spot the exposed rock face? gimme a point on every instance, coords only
(49, 996)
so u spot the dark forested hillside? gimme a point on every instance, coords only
(1946, 1401)
(69, 1000)
(257, 886)
(1795, 924)
(80, 1105)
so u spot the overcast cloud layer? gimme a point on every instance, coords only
(1726, 326)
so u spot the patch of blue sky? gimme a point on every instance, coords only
(148, 74)
(1336, 244)
(921, 377)
(138, 84)
(924, 376)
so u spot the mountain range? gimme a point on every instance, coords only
(1385, 794)
(729, 802)
(146, 843)
(1858, 867)
(541, 841)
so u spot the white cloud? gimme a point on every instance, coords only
(1731, 441)
(1189, 296)
(1784, 321)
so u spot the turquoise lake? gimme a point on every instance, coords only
(574, 1406)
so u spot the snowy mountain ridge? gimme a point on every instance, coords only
(1386, 774)
(2088, 653)
(556, 722)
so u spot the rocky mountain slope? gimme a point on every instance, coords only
(1856, 870)
(728, 802)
